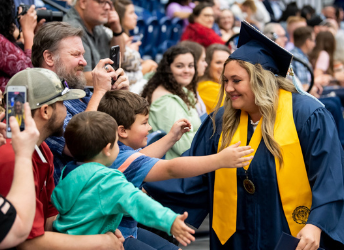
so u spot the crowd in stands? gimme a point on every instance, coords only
(74, 173)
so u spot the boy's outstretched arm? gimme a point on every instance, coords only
(184, 167)
(159, 148)
(181, 231)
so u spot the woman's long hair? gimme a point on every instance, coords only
(7, 21)
(121, 7)
(265, 86)
(164, 76)
(324, 41)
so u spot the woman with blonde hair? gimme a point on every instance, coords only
(294, 184)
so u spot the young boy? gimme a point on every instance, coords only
(92, 198)
(131, 113)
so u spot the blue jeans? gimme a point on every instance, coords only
(148, 241)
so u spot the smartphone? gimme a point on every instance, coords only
(115, 56)
(15, 99)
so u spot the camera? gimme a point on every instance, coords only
(48, 15)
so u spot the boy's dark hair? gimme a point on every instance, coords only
(88, 133)
(123, 106)
(301, 35)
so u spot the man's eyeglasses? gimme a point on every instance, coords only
(102, 3)
(63, 92)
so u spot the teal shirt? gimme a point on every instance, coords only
(164, 112)
(92, 199)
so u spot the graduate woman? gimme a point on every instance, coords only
(294, 183)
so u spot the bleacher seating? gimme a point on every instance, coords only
(150, 38)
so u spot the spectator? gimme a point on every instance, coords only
(18, 208)
(321, 57)
(293, 22)
(179, 8)
(62, 52)
(13, 59)
(217, 12)
(134, 67)
(329, 12)
(209, 87)
(276, 33)
(90, 15)
(256, 13)
(200, 28)
(169, 98)
(304, 40)
(199, 53)
(307, 11)
(226, 23)
(46, 89)
(290, 10)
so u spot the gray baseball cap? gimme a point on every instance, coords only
(44, 87)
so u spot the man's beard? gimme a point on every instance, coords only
(74, 81)
(55, 129)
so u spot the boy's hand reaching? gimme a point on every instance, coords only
(179, 128)
(233, 156)
(181, 231)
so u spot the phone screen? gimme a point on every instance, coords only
(15, 107)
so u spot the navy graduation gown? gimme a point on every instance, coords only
(260, 217)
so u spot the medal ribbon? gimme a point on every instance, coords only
(292, 177)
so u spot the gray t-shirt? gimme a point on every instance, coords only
(96, 45)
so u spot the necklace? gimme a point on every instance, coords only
(249, 185)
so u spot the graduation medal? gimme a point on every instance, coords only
(249, 185)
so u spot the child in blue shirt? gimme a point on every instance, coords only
(131, 113)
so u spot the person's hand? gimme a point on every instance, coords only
(102, 75)
(113, 21)
(119, 235)
(181, 231)
(135, 45)
(24, 142)
(121, 80)
(233, 156)
(148, 66)
(112, 242)
(2, 130)
(28, 22)
(309, 237)
(316, 91)
(179, 128)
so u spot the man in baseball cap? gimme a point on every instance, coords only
(46, 93)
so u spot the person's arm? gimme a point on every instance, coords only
(184, 167)
(22, 193)
(28, 22)
(323, 156)
(102, 82)
(159, 148)
(58, 241)
(115, 26)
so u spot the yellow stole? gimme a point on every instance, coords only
(293, 184)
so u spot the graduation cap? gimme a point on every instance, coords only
(255, 47)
